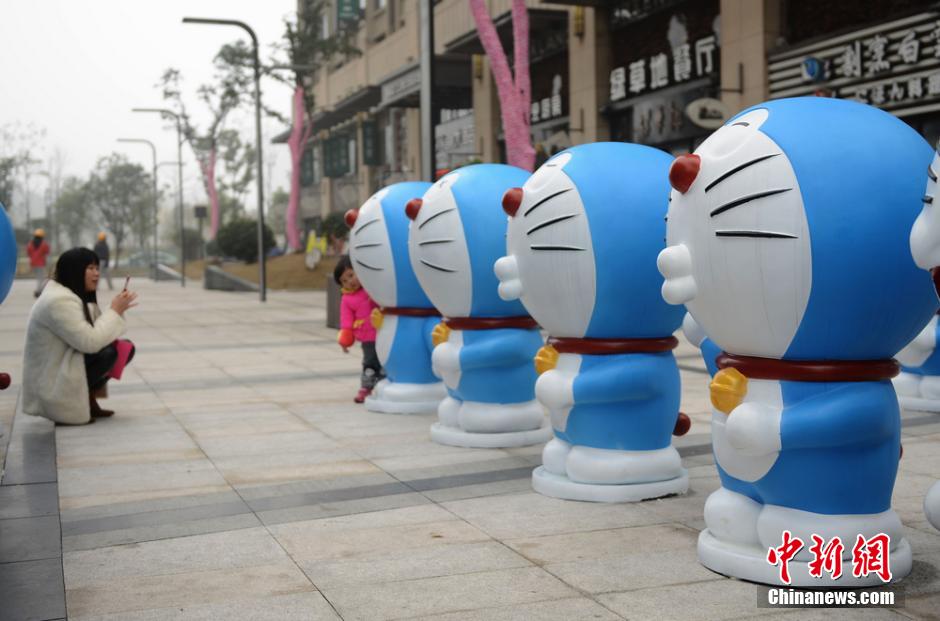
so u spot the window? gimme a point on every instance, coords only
(380, 4)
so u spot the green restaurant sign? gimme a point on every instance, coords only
(347, 10)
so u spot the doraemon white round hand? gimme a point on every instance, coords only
(507, 271)
(754, 429)
(445, 359)
(555, 390)
(675, 264)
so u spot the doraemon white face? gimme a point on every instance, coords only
(370, 251)
(550, 262)
(738, 252)
(438, 250)
(925, 235)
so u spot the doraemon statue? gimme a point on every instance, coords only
(7, 273)
(484, 348)
(787, 242)
(925, 248)
(378, 249)
(918, 385)
(584, 232)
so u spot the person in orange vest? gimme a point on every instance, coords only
(38, 250)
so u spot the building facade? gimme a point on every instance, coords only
(660, 72)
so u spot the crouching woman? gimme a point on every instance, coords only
(71, 347)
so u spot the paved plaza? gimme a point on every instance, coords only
(238, 480)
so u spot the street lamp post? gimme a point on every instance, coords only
(153, 152)
(262, 288)
(179, 153)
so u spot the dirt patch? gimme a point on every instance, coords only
(285, 272)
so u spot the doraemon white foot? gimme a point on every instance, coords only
(806, 429)
(740, 532)
(484, 347)
(402, 398)
(932, 505)
(603, 475)
(378, 248)
(583, 236)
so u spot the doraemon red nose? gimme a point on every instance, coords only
(683, 172)
(413, 207)
(350, 217)
(511, 201)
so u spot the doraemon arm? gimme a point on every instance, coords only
(623, 380)
(695, 335)
(917, 351)
(855, 413)
(510, 348)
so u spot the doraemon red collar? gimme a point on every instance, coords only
(565, 345)
(810, 370)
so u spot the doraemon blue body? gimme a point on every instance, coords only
(378, 248)
(582, 242)
(7, 271)
(485, 356)
(781, 260)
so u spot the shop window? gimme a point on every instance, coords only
(353, 163)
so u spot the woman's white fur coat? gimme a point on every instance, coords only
(57, 337)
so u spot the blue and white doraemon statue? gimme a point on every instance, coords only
(7, 274)
(584, 232)
(485, 346)
(787, 242)
(925, 248)
(378, 248)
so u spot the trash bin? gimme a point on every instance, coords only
(333, 297)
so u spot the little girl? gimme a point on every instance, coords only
(355, 325)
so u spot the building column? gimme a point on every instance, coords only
(588, 46)
(486, 114)
(749, 29)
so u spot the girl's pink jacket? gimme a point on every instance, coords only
(355, 310)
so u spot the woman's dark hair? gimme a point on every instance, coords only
(36, 241)
(70, 273)
(341, 266)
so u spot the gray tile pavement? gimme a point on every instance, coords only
(239, 481)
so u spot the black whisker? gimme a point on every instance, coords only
(440, 213)
(550, 222)
(370, 245)
(428, 242)
(364, 225)
(547, 247)
(437, 267)
(369, 267)
(931, 174)
(543, 201)
(746, 199)
(742, 123)
(763, 234)
(738, 169)
(928, 199)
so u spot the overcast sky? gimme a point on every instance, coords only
(77, 67)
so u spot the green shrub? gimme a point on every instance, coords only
(239, 239)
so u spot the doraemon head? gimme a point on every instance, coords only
(925, 236)
(7, 254)
(457, 233)
(788, 232)
(378, 246)
(584, 232)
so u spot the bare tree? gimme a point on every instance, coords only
(231, 84)
(121, 192)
